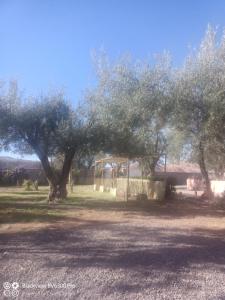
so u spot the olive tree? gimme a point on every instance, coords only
(47, 126)
(198, 87)
(132, 102)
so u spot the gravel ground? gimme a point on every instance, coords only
(117, 254)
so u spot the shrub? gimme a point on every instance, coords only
(12, 177)
(156, 178)
(28, 185)
(35, 184)
(98, 173)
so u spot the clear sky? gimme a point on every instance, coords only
(47, 44)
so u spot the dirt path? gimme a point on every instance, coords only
(102, 253)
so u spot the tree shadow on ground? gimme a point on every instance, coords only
(12, 213)
(152, 255)
(165, 209)
(14, 200)
(93, 243)
(164, 255)
(29, 193)
(24, 217)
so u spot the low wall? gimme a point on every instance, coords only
(108, 183)
(194, 184)
(118, 187)
(218, 187)
(83, 180)
(153, 189)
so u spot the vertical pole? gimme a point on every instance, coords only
(102, 174)
(142, 183)
(71, 180)
(94, 173)
(128, 177)
(116, 173)
(112, 176)
(165, 162)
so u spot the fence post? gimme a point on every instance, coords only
(71, 180)
(128, 177)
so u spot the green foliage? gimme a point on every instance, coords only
(35, 184)
(199, 100)
(12, 177)
(132, 103)
(178, 146)
(28, 184)
(136, 110)
(7, 179)
(47, 126)
(98, 173)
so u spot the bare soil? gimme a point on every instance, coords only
(114, 250)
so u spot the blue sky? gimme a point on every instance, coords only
(47, 44)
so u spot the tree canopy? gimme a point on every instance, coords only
(137, 109)
(199, 99)
(47, 126)
(132, 102)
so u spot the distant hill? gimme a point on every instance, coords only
(13, 163)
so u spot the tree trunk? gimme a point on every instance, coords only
(71, 180)
(58, 188)
(51, 177)
(201, 162)
(57, 184)
(152, 172)
(66, 172)
(151, 168)
(57, 192)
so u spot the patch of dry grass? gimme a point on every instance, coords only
(28, 210)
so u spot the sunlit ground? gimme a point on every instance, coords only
(112, 249)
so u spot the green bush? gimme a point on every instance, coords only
(12, 177)
(35, 184)
(28, 185)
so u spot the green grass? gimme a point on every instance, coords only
(17, 205)
(86, 193)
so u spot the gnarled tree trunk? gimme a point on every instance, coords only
(205, 175)
(149, 167)
(57, 191)
(57, 183)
